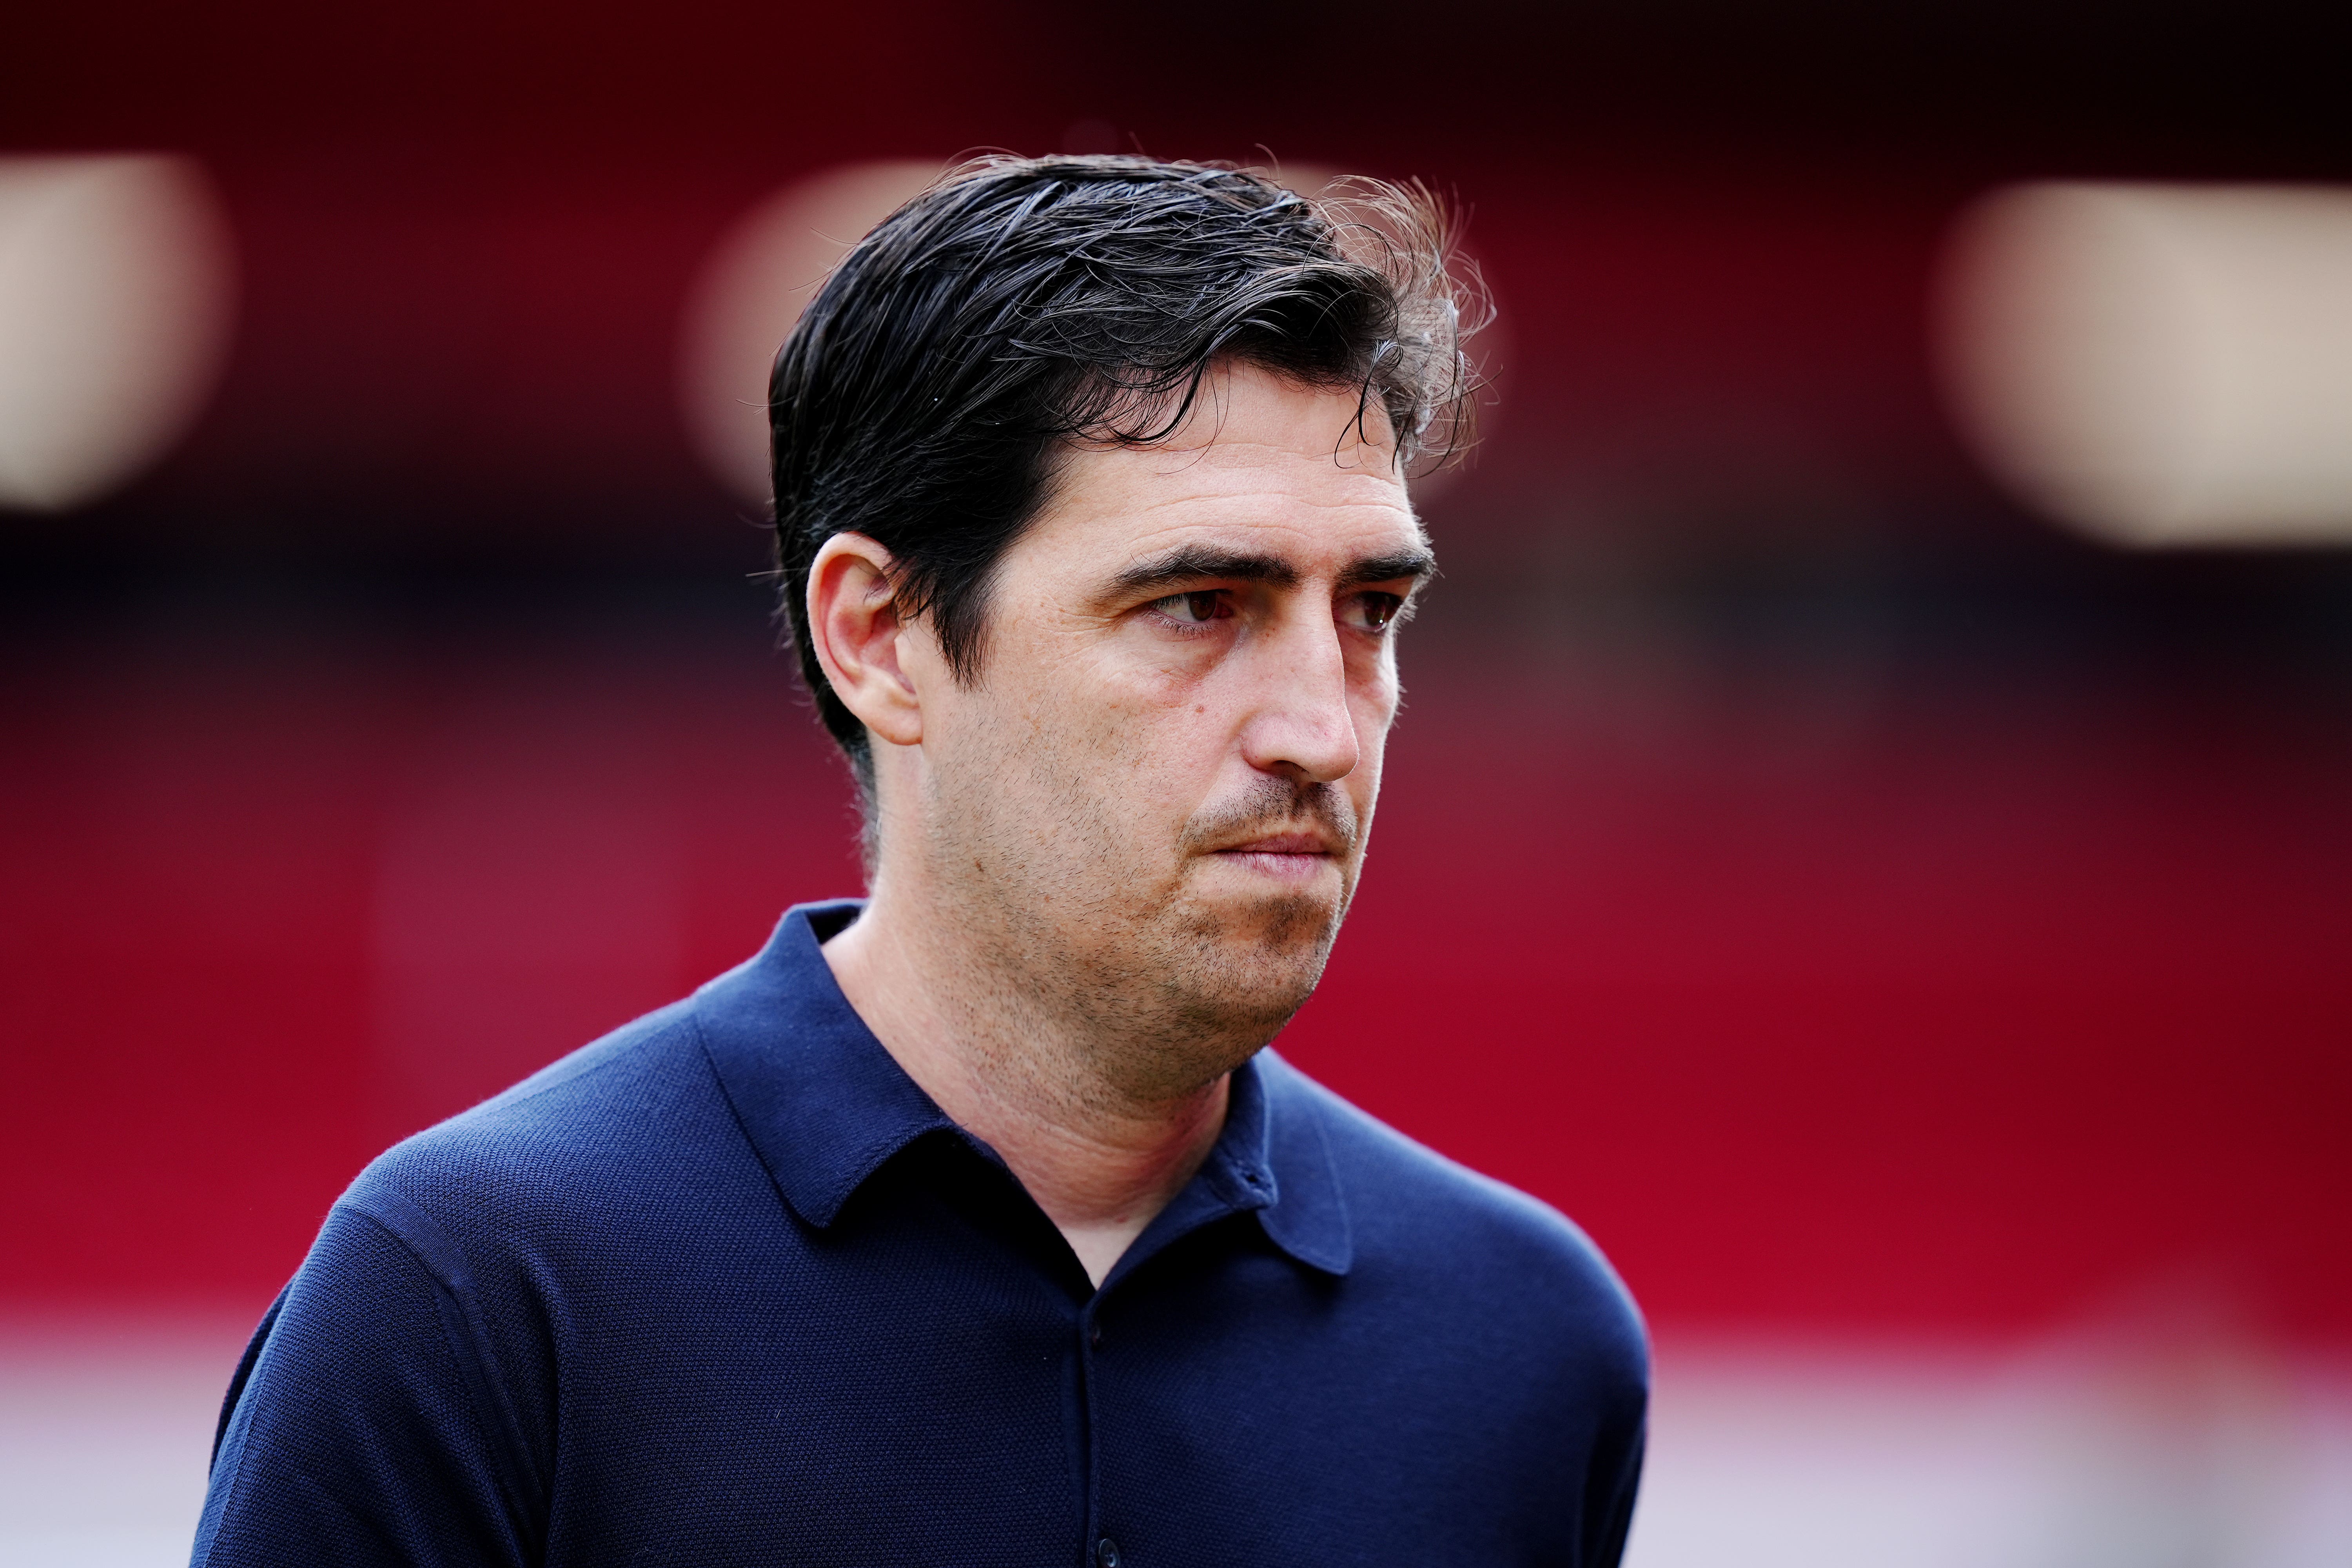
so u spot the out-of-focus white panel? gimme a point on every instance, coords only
(758, 279)
(115, 302)
(2160, 365)
(106, 1429)
(2084, 1454)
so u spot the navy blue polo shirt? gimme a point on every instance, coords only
(727, 1288)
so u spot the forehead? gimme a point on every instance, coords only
(1261, 465)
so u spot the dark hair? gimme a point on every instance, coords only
(1019, 303)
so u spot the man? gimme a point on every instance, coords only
(975, 1224)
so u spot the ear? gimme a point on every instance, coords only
(859, 639)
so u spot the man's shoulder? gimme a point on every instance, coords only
(632, 1113)
(1414, 1212)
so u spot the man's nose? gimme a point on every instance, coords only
(1303, 728)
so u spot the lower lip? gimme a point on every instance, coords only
(1289, 868)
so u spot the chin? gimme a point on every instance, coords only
(1212, 979)
(1255, 916)
(1261, 955)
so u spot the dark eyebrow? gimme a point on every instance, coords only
(1417, 564)
(1190, 564)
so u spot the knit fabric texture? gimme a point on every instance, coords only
(727, 1288)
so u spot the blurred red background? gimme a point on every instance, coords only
(1861, 906)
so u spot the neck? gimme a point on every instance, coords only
(1098, 1159)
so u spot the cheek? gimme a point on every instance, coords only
(1113, 745)
(1374, 706)
(1159, 752)
(1170, 744)
(1373, 699)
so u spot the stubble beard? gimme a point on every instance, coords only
(1110, 948)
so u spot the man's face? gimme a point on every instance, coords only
(1161, 786)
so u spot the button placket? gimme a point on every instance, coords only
(1104, 1553)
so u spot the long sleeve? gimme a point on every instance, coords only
(367, 1426)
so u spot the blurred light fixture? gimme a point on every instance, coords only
(115, 304)
(758, 278)
(2159, 364)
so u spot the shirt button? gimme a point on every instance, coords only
(1107, 1552)
(1094, 1338)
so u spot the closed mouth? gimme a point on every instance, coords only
(1304, 845)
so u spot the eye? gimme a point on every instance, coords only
(1372, 612)
(1196, 608)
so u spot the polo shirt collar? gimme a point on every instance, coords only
(826, 1106)
(1306, 1209)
